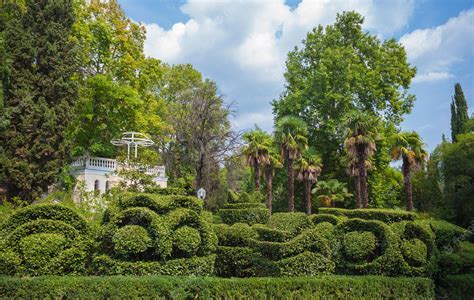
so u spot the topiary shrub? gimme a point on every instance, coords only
(131, 240)
(320, 218)
(292, 222)
(271, 234)
(383, 215)
(359, 246)
(357, 256)
(244, 208)
(305, 264)
(243, 262)
(44, 240)
(417, 248)
(156, 233)
(236, 235)
(447, 235)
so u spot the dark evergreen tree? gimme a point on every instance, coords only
(459, 116)
(39, 96)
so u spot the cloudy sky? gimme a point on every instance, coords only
(242, 45)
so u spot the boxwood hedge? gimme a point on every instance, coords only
(383, 215)
(154, 287)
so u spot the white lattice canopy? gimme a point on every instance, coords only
(133, 139)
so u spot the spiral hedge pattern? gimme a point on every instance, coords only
(151, 234)
(154, 234)
(44, 239)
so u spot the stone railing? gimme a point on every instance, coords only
(95, 163)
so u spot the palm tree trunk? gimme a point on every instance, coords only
(407, 184)
(269, 189)
(365, 196)
(307, 196)
(257, 177)
(291, 185)
(357, 187)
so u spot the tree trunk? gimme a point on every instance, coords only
(307, 196)
(407, 184)
(291, 185)
(269, 189)
(357, 186)
(257, 177)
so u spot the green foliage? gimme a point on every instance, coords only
(459, 262)
(414, 251)
(39, 94)
(197, 266)
(320, 218)
(305, 264)
(457, 286)
(317, 76)
(244, 215)
(114, 287)
(331, 191)
(294, 222)
(235, 235)
(459, 113)
(384, 215)
(44, 240)
(359, 246)
(356, 260)
(448, 236)
(271, 234)
(242, 262)
(153, 234)
(131, 239)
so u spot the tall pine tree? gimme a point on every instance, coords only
(39, 96)
(459, 115)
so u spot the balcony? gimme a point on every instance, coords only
(95, 163)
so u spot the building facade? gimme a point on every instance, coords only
(101, 174)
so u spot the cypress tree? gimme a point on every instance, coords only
(459, 115)
(39, 96)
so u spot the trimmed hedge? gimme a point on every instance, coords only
(457, 287)
(383, 215)
(244, 215)
(44, 240)
(243, 262)
(153, 287)
(320, 218)
(447, 235)
(292, 222)
(381, 260)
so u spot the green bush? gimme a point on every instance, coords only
(383, 215)
(242, 262)
(359, 246)
(382, 261)
(244, 215)
(305, 264)
(292, 222)
(197, 266)
(187, 240)
(160, 204)
(320, 218)
(236, 235)
(417, 248)
(165, 191)
(44, 240)
(457, 287)
(461, 261)
(271, 234)
(130, 240)
(153, 287)
(448, 236)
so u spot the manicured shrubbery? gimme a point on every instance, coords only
(320, 218)
(244, 208)
(44, 239)
(153, 287)
(384, 215)
(292, 222)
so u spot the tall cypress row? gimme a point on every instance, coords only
(459, 112)
(39, 96)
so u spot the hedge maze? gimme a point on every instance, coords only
(151, 234)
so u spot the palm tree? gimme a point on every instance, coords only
(360, 147)
(256, 151)
(291, 134)
(308, 166)
(409, 147)
(274, 162)
(353, 171)
(331, 191)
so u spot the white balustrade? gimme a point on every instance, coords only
(111, 165)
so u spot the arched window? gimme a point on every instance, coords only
(96, 186)
(107, 185)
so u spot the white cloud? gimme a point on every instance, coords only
(243, 45)
(436, 50)
(432, 76)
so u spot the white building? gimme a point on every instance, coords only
(100, 174)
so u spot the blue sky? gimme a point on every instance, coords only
(242, 45)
